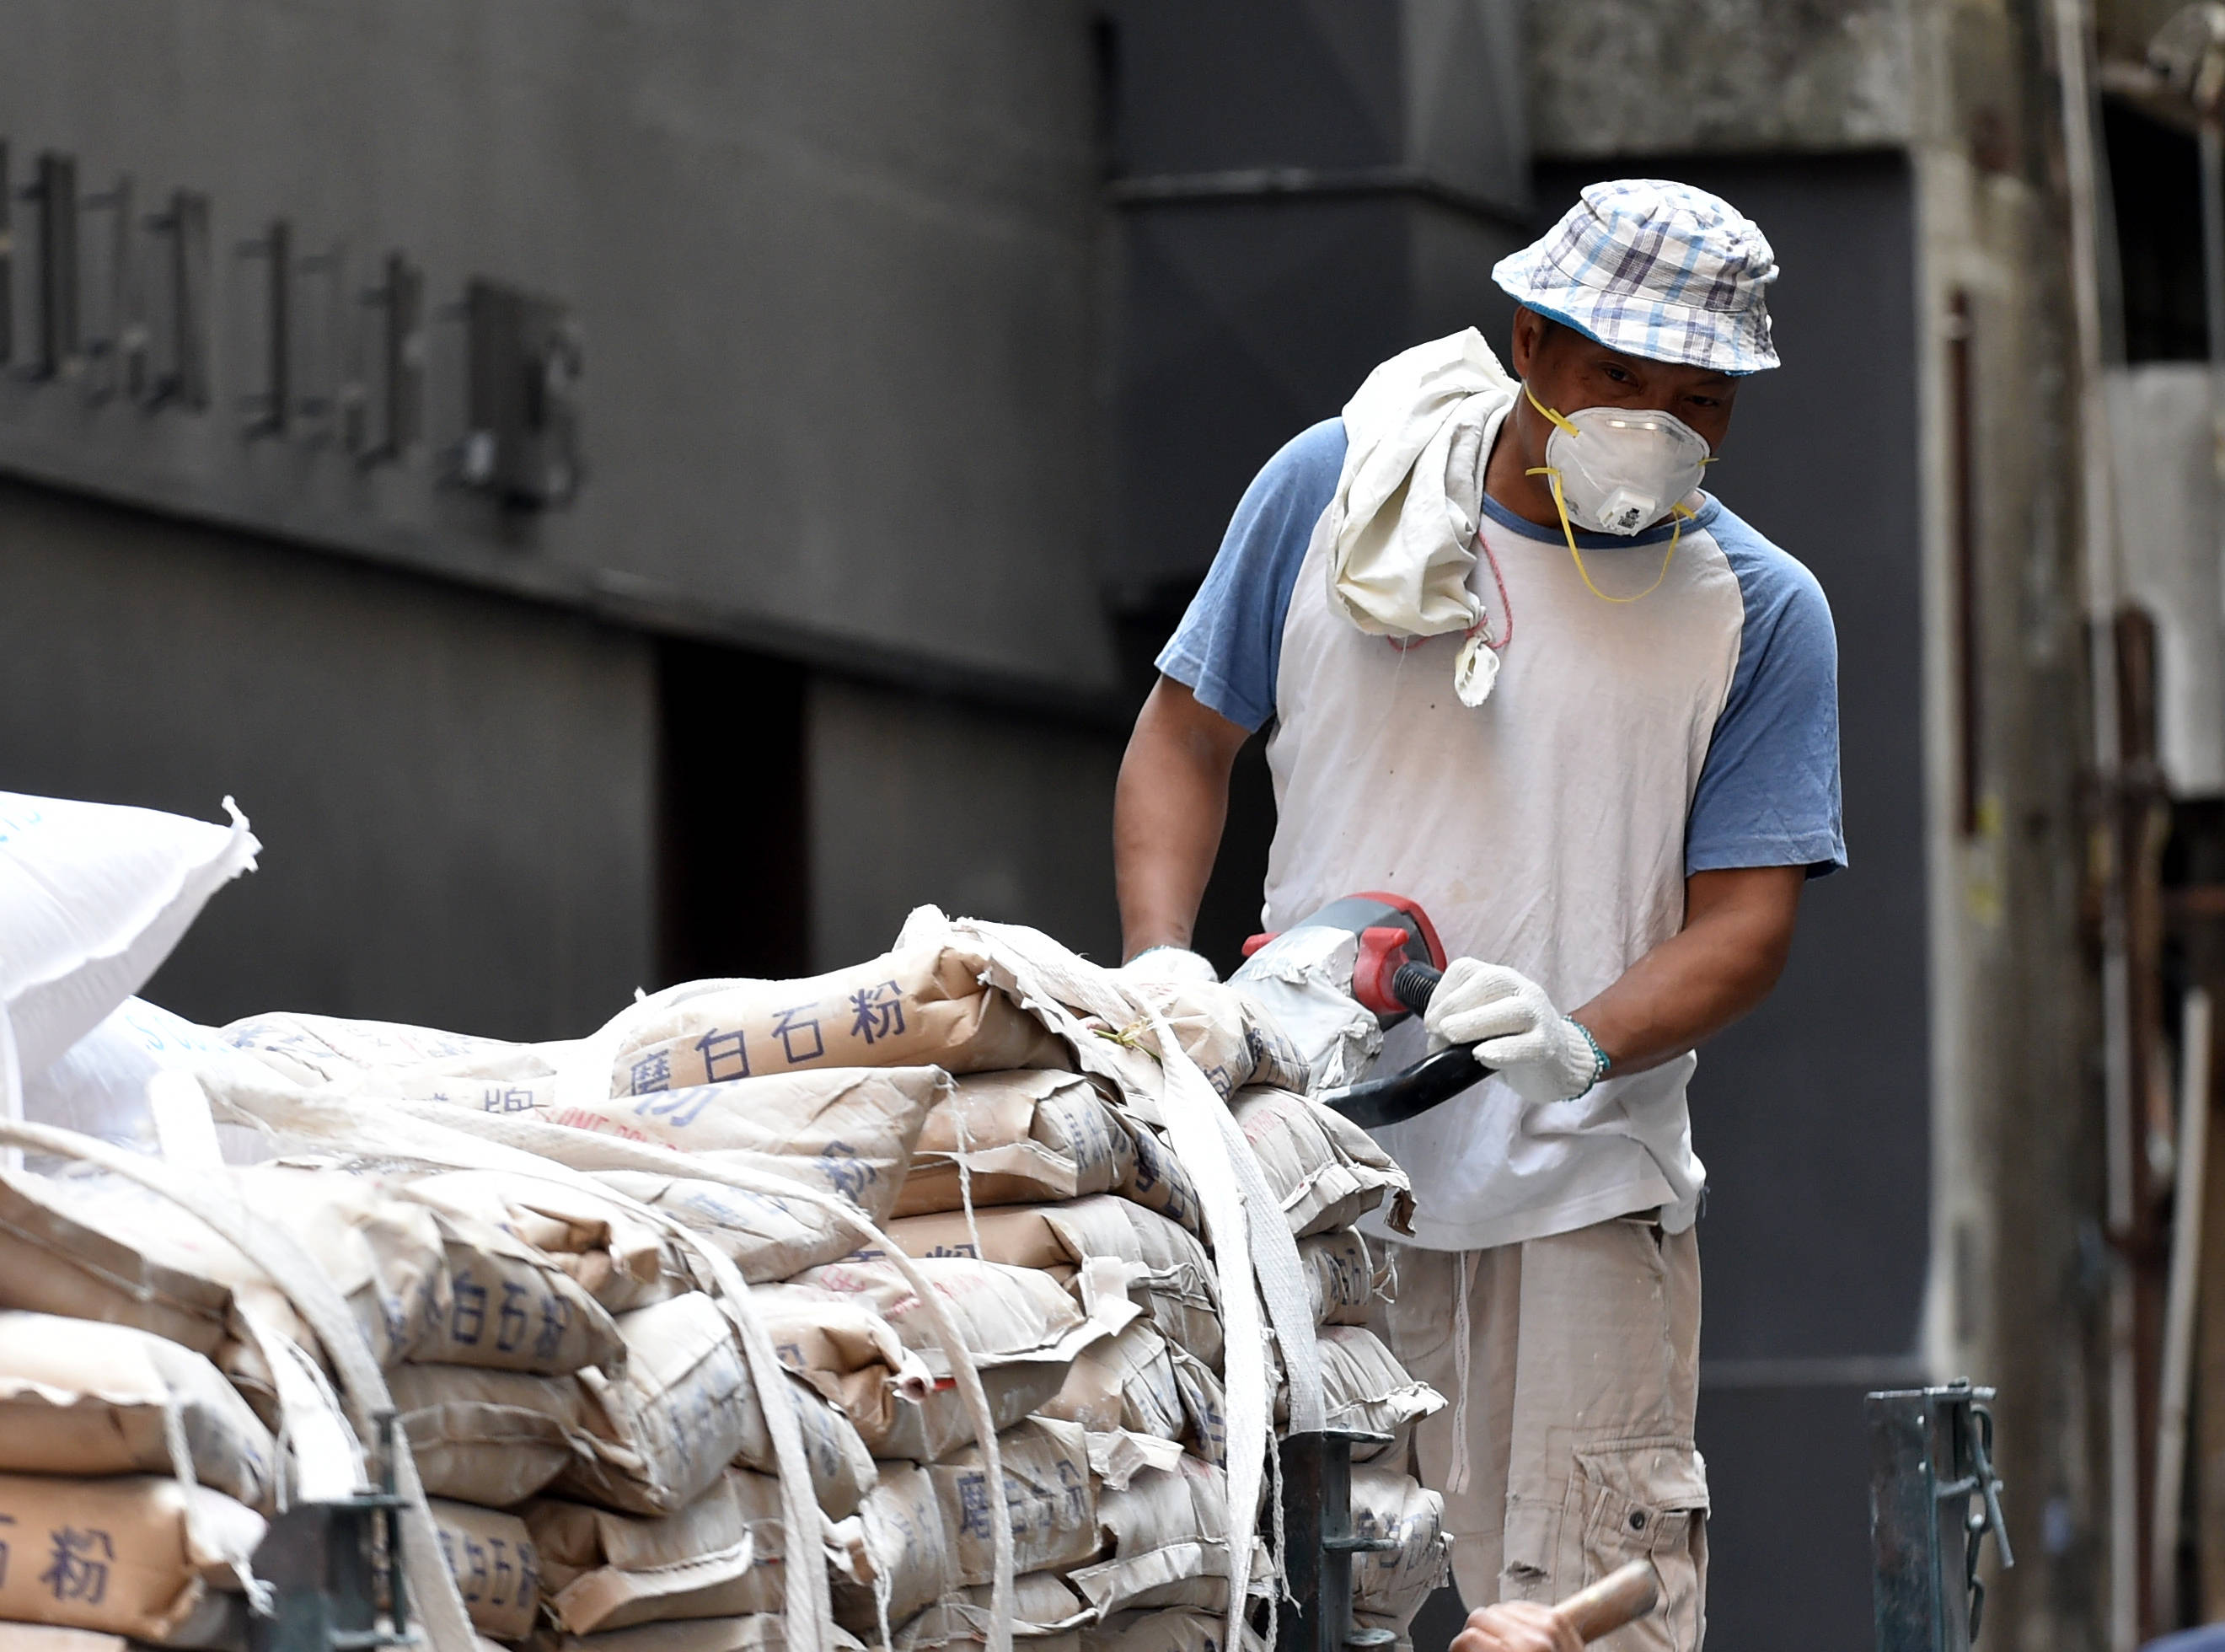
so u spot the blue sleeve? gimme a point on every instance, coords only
(1769, 792)
(1229, 644)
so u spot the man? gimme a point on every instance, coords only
(1605, 763)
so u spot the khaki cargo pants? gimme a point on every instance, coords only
(1583, 1378)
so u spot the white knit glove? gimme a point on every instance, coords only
(1541, 1052)
(1173, 966)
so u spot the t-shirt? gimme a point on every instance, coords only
(1625, 746)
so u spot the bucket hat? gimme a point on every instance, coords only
(1656, 270)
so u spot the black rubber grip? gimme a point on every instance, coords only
(1425, 1084)
(1414, 984)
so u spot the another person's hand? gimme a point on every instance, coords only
(1541, 1052)
(1516, 1626)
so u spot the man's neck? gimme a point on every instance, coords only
(1505, 481)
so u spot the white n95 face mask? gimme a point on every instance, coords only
(1620, 470)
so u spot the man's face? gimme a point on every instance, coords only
(1567, 370)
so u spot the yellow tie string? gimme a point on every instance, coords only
(1679, 510)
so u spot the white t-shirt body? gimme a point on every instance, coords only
(1625, 745)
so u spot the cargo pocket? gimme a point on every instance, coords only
(1642, 1500)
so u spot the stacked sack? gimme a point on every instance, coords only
(595, 1447)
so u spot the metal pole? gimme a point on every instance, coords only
(2097, 500)
(2178, 1316)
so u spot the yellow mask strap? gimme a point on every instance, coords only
(1552, 475)
(1557, 418)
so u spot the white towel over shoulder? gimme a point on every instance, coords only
(1404, 521)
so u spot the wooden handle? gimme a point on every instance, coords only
(1622, 1596)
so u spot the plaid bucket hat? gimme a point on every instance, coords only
(1656, 270)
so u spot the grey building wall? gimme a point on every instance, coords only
(454, 791)
(833, 269)
(1626, 78)
(983, 811)
(1304, 190)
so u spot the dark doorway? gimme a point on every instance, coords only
(733, 883)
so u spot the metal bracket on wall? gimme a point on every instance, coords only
(399, 297)
(123, 348)
(186, 382)
(55, 192)
(7, 262)
(520, 441)
(269, 410)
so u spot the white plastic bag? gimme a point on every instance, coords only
(98, 1085)
(92, 898)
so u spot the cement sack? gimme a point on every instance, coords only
(220, 1623)
(621, 1261)
(82, 1250)
(1046, 1614)
(1126, 1382)
(491, 1438)
(1301, 980)
(1389, 1588)
(1169, 1272)
(98, 1086)
(841, 1344)
(1166, 1533)
(1342, 1276)
(496, 1437)
(841, 1467)
(1162, 1183)
(92, 898)
(766, 1237)
(1166, 1632)
(852, 1357)
(421, 1285)
(1224, 1030)
(895, 1550)
(1365, 1388)
(1205, 1407)
(1048, 1488)
(756, 1632)
(1325, 1170)
(317, 1050)
(118, 1554)
(717, 1557)
(487, 1299)
(848, 1131)
(492, 1558)
(79, 1397)
(1017, 1138)
(923, 1005)
(1022, 1329)
(106, 1248)
(666, 1429)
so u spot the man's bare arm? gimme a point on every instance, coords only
(1738, 930)
(1168, 812)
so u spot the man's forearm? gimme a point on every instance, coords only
(1168, 812)
(1722, 964)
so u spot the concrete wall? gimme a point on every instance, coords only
(834, 268)
(454, 791)
(916, 800)
(1618, 78)
(1304, 190)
